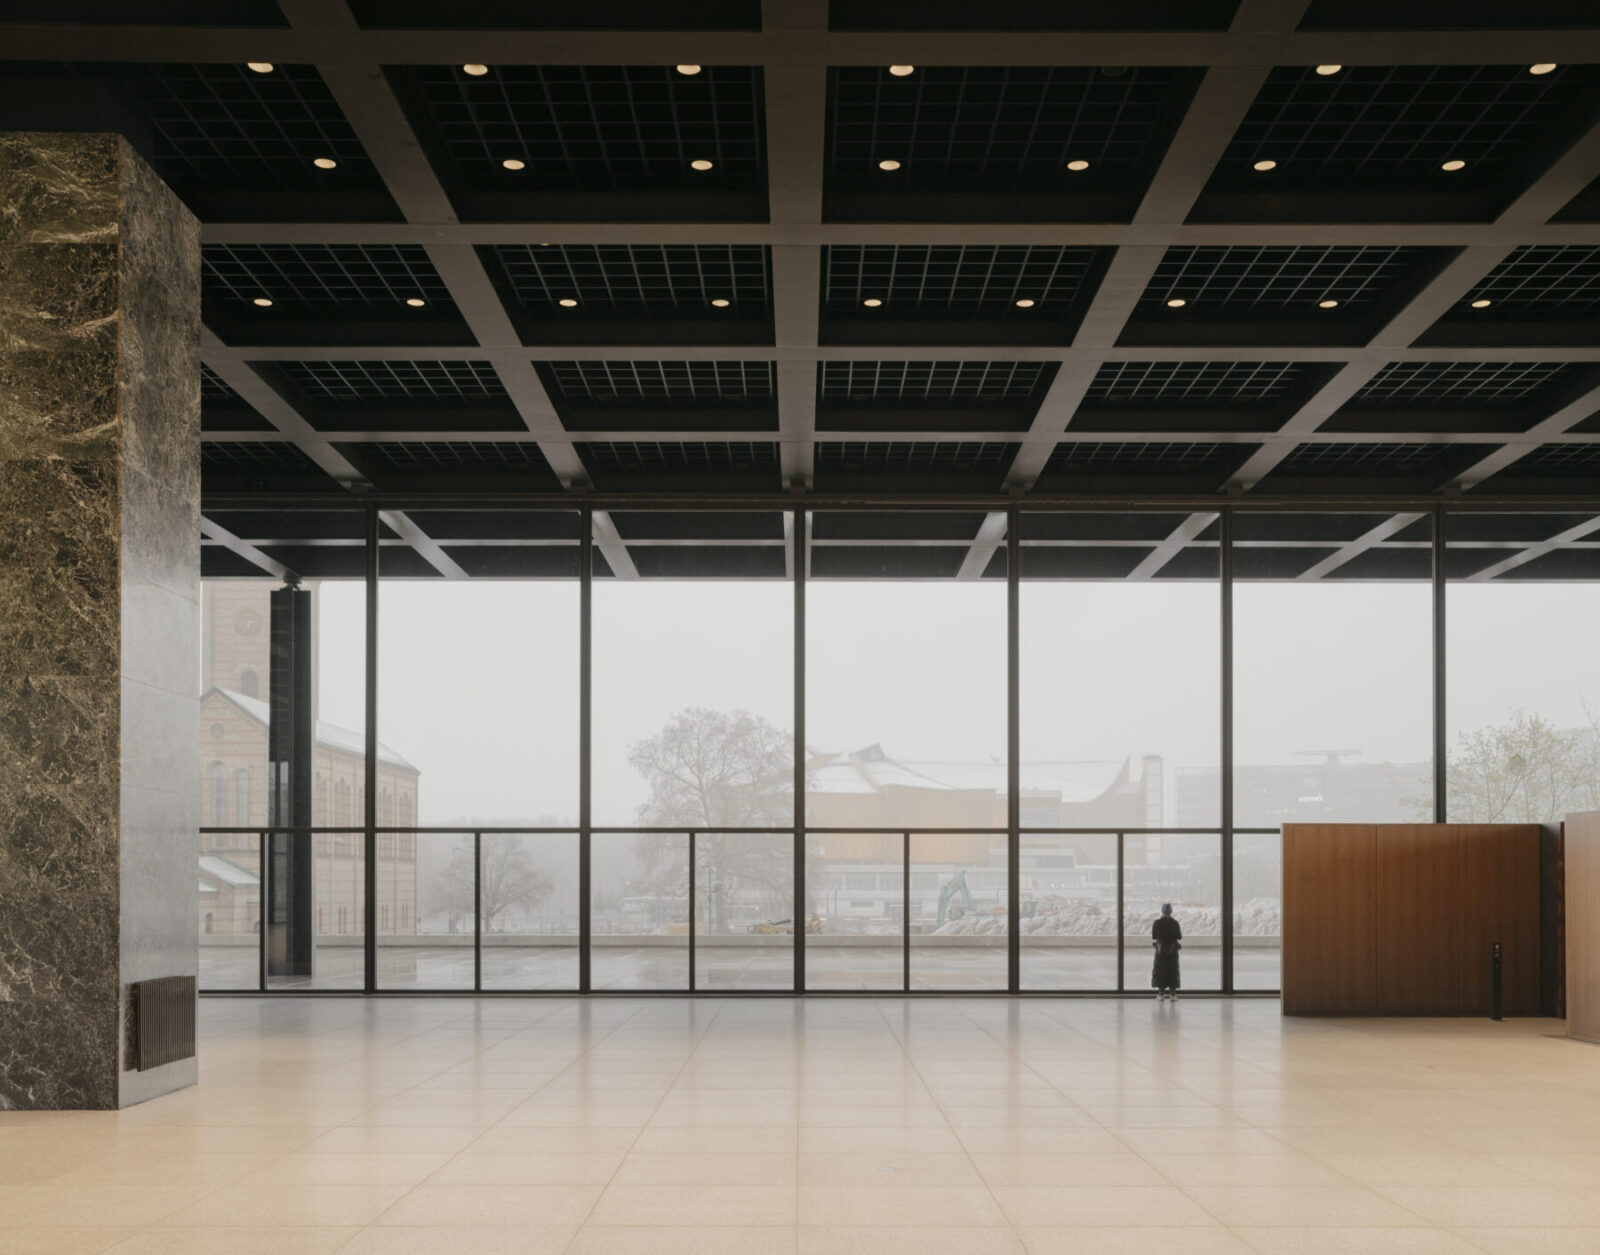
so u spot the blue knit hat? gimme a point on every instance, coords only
(1166, 908)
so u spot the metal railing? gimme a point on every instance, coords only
(365, 908)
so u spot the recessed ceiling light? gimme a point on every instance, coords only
(701, 164)
(263, 301)
(1265, 165)
(324, 163)
(1326, 70)
(566, 302)
(266, 67)
(1176, 302)
(1080, 164)
(511, 163)
(900, 71)
(1328, 304)
(889, 164)
(872, 302)
(1482, 302)
(1025, 303)
(688, 69)
(474, 69)
(1544, 67)
(416, 302)
(1454, 164)
(721, 302)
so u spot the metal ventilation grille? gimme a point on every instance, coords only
(930, 383)
(882, 457)
(689, 457)
(935, 279)
(1368, 122)
(222, 125)
(1563, 459)
(213, 389)
(1123, 457)
(254, 457)
(634, 278)
(454, 459)
(953, 124)
(663, 383)
(334, 276)
(1452, 384)
(598, 128)
(365, 383)
(1365, 459)
(1256, 279)
(1543, 279)
(1193, 383)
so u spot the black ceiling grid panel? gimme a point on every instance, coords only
(232, 143)
(998, 143)
(1356, 323)
(1539, 296)
(1180, 396)
(327, 294)
(1295, 295)
(1381, 143)
(592, 142)
(602, 395)
(635, 293)
(347, 395)
(928, 395)
(957, 294)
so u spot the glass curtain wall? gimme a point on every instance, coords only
(478, 728)
(906, 730)
(1522, 708)
(1120, 720)
(694, 731)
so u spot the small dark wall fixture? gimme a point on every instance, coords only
(163, 1021)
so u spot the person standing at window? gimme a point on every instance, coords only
(1168, 940)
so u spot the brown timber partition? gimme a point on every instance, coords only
(1581, 835)
(1398, 919)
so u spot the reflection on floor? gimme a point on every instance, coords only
(946, 968)
(826, 1127)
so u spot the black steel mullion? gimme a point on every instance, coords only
(585, 817)
(370, 790)
(1122, 928)
(477, 911)
(262, 910)
(693, 923)
(905, 912)
(1441, 678)
(1225, 575)
(1013, 753)
(800, 915)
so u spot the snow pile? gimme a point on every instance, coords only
(1078, 917)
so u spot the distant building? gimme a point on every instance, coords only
(1324, 788)
(234, 714)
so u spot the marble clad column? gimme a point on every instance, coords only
(99, 606)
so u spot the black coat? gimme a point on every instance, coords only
(1168, 937)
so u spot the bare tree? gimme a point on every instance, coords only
(718, 769)
(511, 881)
(1525, 770)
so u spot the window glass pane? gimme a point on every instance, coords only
(744, 910)
(1333, 669)
(640, 910)
(855, 909)
(1068, 911)
(959, 934)
(906, 671)
(230, 916)
(1257, 910)
(1185, 871)
(425, 897)
(530, 910)
(1523, 691)
(1120, 627)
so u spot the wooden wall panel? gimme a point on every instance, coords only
(1397, 919)
(1329, 917)
(1582, 866)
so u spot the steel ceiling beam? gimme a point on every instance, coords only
(1511, 563)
